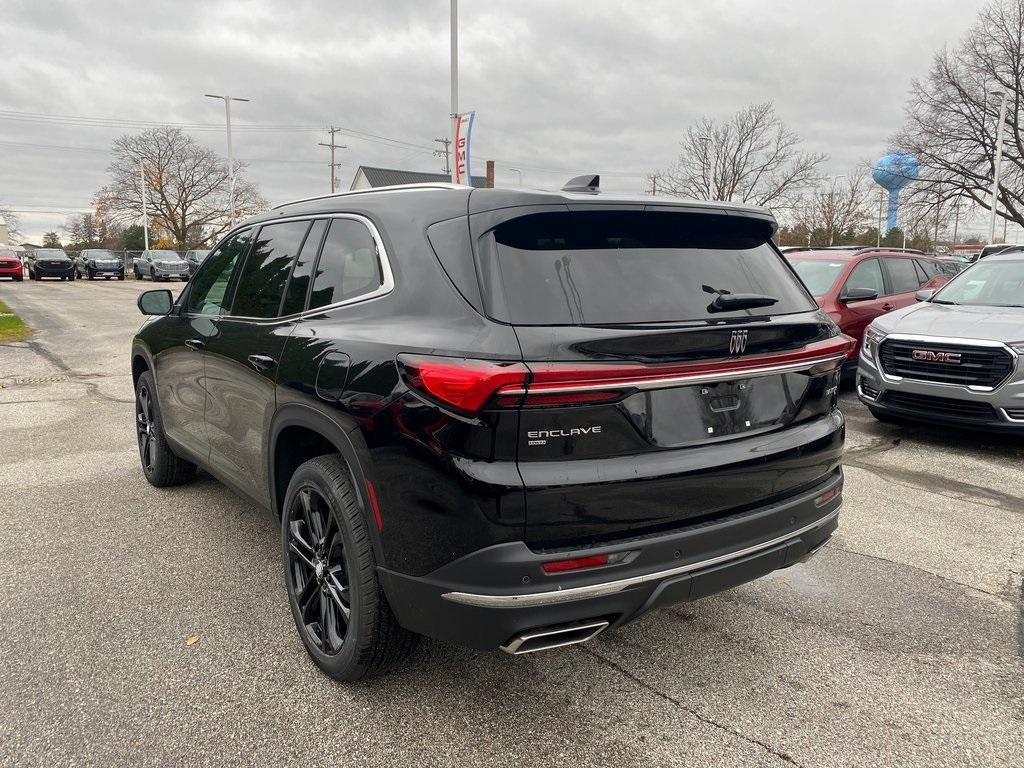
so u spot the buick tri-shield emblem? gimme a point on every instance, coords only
(738, 343)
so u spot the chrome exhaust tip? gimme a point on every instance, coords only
(556, 636)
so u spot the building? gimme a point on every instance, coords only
(368, 177)
(5, 235)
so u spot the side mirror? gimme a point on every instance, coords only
(858, 294)
(925, 294)
(157, 302)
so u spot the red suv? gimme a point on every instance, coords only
(10, 264)
(856, 285)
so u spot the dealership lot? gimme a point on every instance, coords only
(902, 643)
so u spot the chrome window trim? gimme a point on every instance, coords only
(387, 275)
(951, 340)
(603, 589)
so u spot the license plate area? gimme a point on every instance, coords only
(682, 416)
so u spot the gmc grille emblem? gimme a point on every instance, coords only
(927, 356)
(738, 343)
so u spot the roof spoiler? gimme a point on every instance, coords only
(589, 184)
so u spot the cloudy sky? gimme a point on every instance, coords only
(560, 87)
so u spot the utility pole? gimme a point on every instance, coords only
(956, 218)
(333, 147)
(654, 184)
(145, 213)
(938, 213)
(454, 61)
(231, 154)
(998, 162)
(446, 153)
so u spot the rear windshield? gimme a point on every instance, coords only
(626, 267)
(818, 275)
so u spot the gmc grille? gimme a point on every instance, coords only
(978, 366)
(940, 406)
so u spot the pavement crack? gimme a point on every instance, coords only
(939, 576)
(681, 705)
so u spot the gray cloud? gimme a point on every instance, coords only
(560, 86)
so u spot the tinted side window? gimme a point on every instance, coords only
(210, 292)
(348, 267)
(930, 268)
(298, 284)
(262, 279)
(902, 275)
(867, 275)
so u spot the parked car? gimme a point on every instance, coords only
(194, 259)
(49, 262)
(994, 248)
(10, 265)
(160, 265)
(501, 418)
(954, 357)
(95, 262)
(856, 285)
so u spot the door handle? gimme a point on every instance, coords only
(196, 345)
(888, 307)
(262, 362)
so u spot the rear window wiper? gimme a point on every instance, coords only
(726, 301)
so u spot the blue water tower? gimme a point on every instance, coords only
(894, 172)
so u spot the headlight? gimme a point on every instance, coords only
(872, 339)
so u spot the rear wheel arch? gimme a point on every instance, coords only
(299, 433)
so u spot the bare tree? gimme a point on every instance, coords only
(10, 218)
(833, 208)
(187, 186)
(951, 119)
(752, 157)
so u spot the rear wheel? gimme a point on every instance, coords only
(338, 605)
(161, 465)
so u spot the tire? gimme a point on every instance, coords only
(152, 276)
(161, 465)
(90, 275)
(323, 523)
(121, 276)
(18, 278)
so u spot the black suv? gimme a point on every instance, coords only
(503, 418)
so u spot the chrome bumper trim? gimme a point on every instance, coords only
(554, 597)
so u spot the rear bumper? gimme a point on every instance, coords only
(15, 271)
(488, 597)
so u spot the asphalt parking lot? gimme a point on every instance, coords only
(901, 644)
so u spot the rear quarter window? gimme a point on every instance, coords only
(630, 267)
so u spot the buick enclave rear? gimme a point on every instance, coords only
(503, 418)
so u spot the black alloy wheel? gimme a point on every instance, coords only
(317, 571)
(341, 612)
(145, 424)
(160, 464)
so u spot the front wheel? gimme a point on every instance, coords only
(340, 610)
(91, 275)
(161, 465)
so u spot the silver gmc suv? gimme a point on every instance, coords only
(955, 357)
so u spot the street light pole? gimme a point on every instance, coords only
(999, 161)
(231, 155)
(519, 177)
(145, 213)
(454, 95)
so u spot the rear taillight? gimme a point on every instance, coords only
(465, 385)
(469, 385)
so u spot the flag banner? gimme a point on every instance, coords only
(461, 173)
